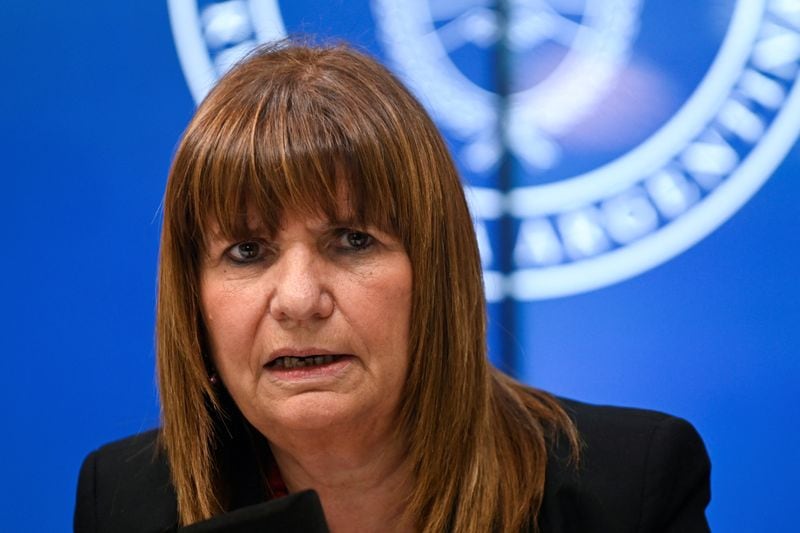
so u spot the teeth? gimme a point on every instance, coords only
(300, 362)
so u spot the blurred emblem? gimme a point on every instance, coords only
(617, 167)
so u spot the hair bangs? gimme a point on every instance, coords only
(292, 154)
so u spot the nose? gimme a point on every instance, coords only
(301, 291)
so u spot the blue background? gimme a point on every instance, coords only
(93, 101)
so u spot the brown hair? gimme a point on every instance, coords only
(275, 134)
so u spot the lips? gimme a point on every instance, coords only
(290, 362)
(289, 358)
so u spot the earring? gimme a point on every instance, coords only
(213, 378)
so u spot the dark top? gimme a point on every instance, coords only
(640, 471)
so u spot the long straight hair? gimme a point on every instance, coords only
(286, 129)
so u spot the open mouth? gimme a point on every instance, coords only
(291, 362)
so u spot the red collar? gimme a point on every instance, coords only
(277, 487)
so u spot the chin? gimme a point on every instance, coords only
(313, 412)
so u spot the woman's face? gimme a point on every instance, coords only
(309, 327)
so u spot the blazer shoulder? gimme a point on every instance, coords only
(605, 425)
(639, 470)
(125, 486)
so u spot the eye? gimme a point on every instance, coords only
(246, 252)
(355, 240)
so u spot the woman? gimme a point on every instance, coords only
(321, 325)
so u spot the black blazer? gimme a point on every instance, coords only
(640, 471)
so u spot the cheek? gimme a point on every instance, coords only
(385, 309)
(231, 318)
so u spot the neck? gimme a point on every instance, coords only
(363, 484)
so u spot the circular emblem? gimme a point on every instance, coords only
(619, 163)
